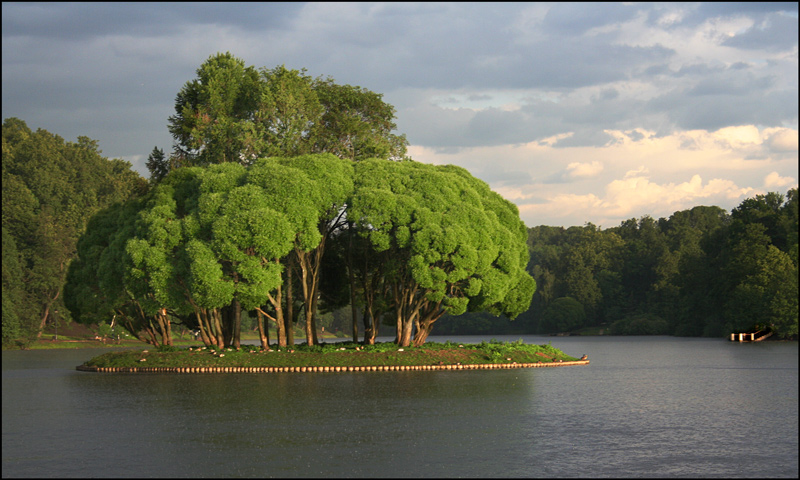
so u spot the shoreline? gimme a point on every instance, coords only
(327, 369)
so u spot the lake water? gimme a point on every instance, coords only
(644, 407)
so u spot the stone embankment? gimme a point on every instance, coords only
(381, 368)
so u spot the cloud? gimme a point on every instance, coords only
(781, 140)
(711, 111)
(775, 181)
(568, 19)
(777, 31)
(576, 171)
(746, 142)
(584, 170)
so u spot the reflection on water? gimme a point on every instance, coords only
(646, 406)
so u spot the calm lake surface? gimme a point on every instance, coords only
(644, 407)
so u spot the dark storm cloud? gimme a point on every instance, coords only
(84, 20)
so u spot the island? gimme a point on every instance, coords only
(333, 357)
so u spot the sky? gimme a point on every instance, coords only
(576, 112)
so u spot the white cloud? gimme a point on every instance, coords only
(775, 181)
(639, 172)
(583, 170)
(550, 141)
(781, 139)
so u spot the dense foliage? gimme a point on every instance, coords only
(208, 243)
(50, 188)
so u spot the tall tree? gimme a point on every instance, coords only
(356, 123)
(234, 113)
(324, 206)
(455, 245)
(287, 112)
(215, 114)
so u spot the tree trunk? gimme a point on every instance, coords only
(164, 327)
(280, 320)
(202, 326)
(153, 340)
(351, 275)
(366, 318)
(44, 320)
(215, 314)
(314, 319)
(304, 282)
(420, 337)
(432, 312)
(370, 327)
(262, 333)
(46, 314)
(169, 330)
(289, 316)
(266, 334)
(237, 324)
(280, 326)
(405, 337)
(310, 264)
(226, 314)
(423, 330)
(376, 321)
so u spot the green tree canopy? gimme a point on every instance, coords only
(455, 245)
(235, 113)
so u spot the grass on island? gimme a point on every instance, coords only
(74, 336)
(339, 354)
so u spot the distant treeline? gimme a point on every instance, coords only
(700, 272)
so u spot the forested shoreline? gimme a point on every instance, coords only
(287, 199)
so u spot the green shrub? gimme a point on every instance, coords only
(167, 348)
(643, 324)
(562, 315)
